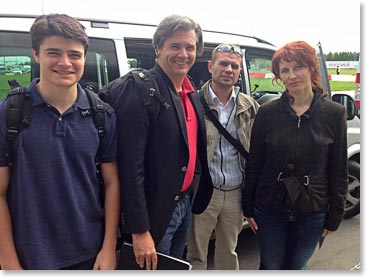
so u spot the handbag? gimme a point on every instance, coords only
(299, 194)
(236, 144)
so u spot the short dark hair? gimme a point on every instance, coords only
(174, 23)
(58, 25)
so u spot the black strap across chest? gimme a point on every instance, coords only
(236, 144)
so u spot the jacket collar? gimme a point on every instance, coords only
(241, 102)
(284, 100)
(163, 80)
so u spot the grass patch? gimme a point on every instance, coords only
(343, 71)
(264, 84)
(4, 86)
(338, 86)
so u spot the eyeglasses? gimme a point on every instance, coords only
(228, 48)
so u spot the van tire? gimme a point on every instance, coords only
(352, 205)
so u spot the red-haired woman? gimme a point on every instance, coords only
(296, 176)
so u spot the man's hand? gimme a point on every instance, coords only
(106, 260)
(144, 250)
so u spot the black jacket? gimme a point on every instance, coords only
(311, 148)
(152, 158)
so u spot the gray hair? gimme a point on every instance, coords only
(174, 23)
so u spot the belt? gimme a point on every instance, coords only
(182, 195)
(226, 189)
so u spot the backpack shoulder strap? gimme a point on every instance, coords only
(18, 114)
(98, 110)
(145, 85)
(145, 79)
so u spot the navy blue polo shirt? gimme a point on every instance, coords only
(53, 196)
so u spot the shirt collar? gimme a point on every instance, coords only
(187, 86)
(81, 102)
(214, 98)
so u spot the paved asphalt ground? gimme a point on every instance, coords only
(340, 251)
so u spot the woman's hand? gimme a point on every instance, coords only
(326, 232)
(253, 224)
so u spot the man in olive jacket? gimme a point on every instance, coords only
(236, 112)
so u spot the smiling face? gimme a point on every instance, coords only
(178, 54)
(295, 77)
(61, 61)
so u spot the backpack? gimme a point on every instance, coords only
(18, 116)
(146, 85)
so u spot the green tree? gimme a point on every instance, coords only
(342, 56)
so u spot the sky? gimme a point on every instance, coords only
(334, 23)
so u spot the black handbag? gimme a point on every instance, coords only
(299, 193)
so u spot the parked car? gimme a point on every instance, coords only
(352, 206)
(116, 47)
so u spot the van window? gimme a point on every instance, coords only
(256, 70)
(140, 53)
(16, 61)
(259, 70)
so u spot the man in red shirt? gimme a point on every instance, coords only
(162, 164)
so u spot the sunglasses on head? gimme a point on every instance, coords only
(228, 48)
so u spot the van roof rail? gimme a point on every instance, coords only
(240, 35)
(101, 22)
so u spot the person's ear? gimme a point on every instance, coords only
(35, 55)
(210, 65)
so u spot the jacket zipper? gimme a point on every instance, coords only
(295, 153)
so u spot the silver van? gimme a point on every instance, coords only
(116, 47)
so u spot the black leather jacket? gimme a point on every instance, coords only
(311, 148)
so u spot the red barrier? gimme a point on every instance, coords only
(257, 75)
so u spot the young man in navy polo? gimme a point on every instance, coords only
(51, 212)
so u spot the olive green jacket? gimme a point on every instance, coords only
(246, 108)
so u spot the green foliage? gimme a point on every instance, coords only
(133, 63)
(342, 56)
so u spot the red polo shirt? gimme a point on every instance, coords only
(192, 130)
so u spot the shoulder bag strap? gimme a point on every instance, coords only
(236, 144)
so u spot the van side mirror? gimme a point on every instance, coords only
(348, 102)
